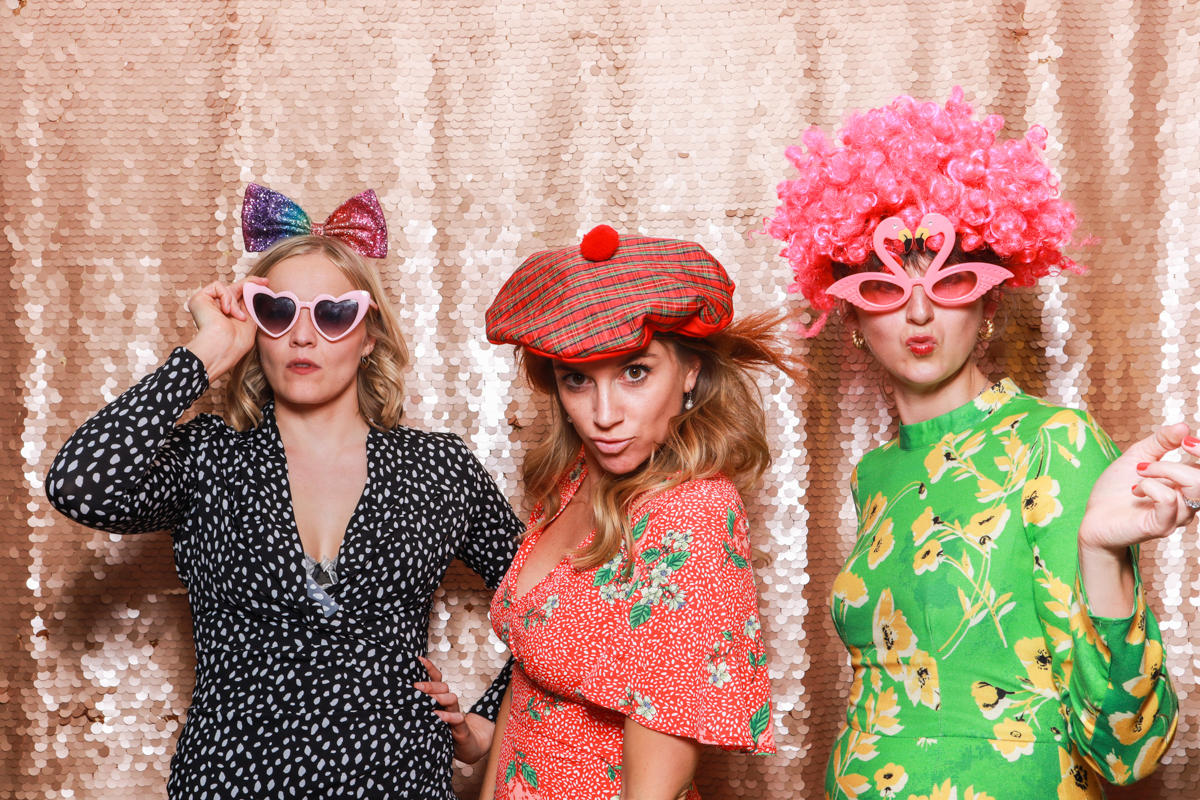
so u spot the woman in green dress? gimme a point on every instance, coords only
(997, 625)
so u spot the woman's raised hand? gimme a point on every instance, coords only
(1118, 516)
(224, 331)
(472, 733)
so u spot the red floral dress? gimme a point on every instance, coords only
(677, 646)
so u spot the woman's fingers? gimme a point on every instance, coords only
(447, 700)
(434, 673)
(1167, 513)
(441, 694)
(237, 308)
(1159, 443)
(1185, 476)
(451, 718)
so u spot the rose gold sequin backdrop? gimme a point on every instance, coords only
(491, 130)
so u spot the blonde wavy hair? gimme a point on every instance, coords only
(380, 383)
(724, 432)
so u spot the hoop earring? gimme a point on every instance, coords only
(365, 361)
(987, 330)
(687, 401)
(856, 339)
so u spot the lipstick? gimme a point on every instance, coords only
(921, 345)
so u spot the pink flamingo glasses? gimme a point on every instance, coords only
(954, 286)
(333, 317)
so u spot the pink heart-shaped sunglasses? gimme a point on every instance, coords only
(957, 285)
(333, 317)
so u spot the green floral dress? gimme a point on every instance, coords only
(978, 671)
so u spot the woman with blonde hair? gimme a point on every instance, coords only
(631, 608)
(310, 527)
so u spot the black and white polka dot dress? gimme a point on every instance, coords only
(295, 697)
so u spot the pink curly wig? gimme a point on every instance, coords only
(909, 159)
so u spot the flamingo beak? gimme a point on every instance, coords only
(922, 235)
(906, 238)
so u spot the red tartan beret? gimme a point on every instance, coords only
(609, 296)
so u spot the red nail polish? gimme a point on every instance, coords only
(1134, 489)
(1190, 441)
(1143, 465)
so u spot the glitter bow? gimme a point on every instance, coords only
(268, 216)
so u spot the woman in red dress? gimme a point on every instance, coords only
(631, 608)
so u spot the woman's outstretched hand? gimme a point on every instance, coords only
(224, 331)
(1119, 516)
(472, 733)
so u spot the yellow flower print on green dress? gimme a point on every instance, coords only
(1077, 782)
(890, 779)
(1014, 738)
(985, 527)
(928, 557)
(977, 665)
(882, 546)
(921, 680)
(894, 640)
(947, 791)
(1036, 657)
(850, 589)
(992, 700)
(1039, 501)
(858, 741)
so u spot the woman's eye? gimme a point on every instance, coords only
(573, 380)
(636, 372)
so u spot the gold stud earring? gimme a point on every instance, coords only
(856, 339)
(987, 330)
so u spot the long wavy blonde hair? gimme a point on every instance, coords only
(380, 383)
(724, 432)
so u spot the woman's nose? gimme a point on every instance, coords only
(607, 411)
(919, 309)
(303, 333)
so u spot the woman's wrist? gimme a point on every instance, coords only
(213, 352)
(1107, 576)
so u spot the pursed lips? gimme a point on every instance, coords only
(611, 447)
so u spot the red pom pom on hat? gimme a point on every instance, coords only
(600, 243)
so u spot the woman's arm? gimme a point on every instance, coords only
(1109, 670)
(488, 549)
(656, 766)
(488, 790)
(129, 469)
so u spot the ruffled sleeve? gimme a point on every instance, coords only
(687, 656)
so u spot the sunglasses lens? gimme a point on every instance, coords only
(956, 286)
(334, 319)
(880, 293)
(275, 314)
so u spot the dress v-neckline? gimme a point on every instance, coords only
(351, 529)
(567, 489)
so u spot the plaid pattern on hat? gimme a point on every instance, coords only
(561, 305)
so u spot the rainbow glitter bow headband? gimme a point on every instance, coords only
(268, 216)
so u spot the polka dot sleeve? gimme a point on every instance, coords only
(488, 549)
(493, 526)
(129, 468)
(692, 661)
